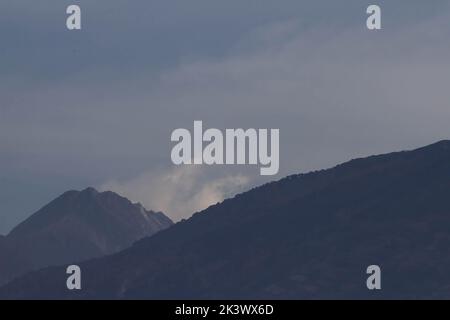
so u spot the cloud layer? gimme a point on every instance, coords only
(98, 107)
(178, 192)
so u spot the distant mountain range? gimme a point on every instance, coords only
(307, 236)
(74, 227)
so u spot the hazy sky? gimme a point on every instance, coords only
(96, 107)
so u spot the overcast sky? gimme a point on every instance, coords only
(96, 107)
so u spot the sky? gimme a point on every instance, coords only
(96, 107)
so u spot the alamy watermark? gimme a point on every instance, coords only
(374, 280)
(73, 21)
(74, 280)
(235, 146)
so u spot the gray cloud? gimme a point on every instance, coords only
(97, 108)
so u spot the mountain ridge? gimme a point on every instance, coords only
(79, 225)
(305, 236)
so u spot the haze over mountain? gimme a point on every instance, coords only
(306, 236)
(74, 227)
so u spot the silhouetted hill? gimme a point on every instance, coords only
(12, 261)
(306, 236)
(77, 226)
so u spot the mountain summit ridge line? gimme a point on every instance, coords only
(77, 225)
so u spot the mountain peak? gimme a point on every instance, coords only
(90, 190)
(79, 225)
(89, 205)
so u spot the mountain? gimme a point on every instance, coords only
(78, 225)
(12, 261)
(307, 236)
